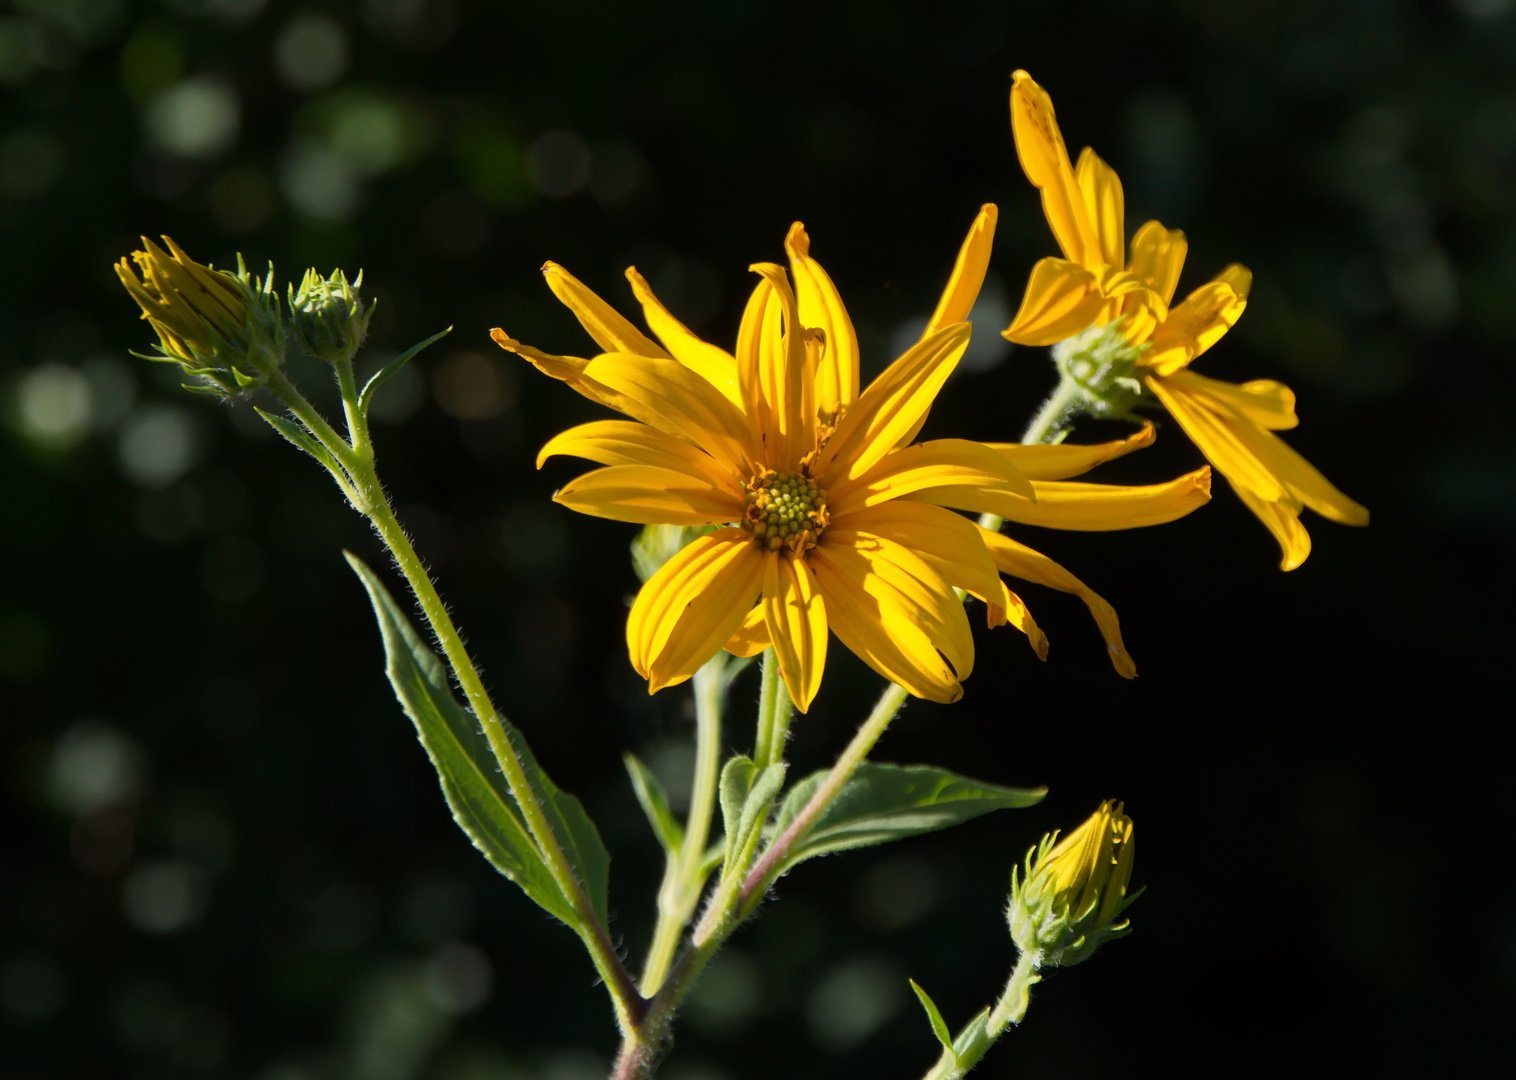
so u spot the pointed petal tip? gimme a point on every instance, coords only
(797, 240)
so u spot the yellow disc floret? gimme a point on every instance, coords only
(784, 510)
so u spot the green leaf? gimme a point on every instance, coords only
(934, 1017)
(476, 792)
(746, 795)
(655, 804)
(382, 376)
(304, 440)
(972, 1032)
(889, 802)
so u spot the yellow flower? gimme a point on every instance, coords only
(1075, 890)
(216, 325)
(832, 518)
(1098, 284)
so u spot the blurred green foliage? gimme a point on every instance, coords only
(233, 860)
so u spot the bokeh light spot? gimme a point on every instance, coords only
(53, 405)
(163, 897)
(311, 52)
(195, 117)
(157, 445)
(558, 164)
(94, 766)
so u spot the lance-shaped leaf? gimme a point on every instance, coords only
(655, 804)
(934, 1017)
(889, 802)
(746, 795)
(472, 783)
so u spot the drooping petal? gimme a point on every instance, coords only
(696, 598)
(608, 327)
(1062, 298)
(1158, 257)
(1101, 189)
(648, 495)
(672, 398)
(1020, 561)
(1250, 452)
(893, 404)
(795, 615)
(626, 442)
(821, 308)
(1045, 159)
(1194, 326)
(883, 626)
(715, 365)
(916, 470)
(1282, 519)
(1072, 505)
(968, 273)
(947, 542)
(1218, 440)
(1059, 461)
(1267, 403)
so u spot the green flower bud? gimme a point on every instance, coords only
(328, 316)
(224, 329)
(1075, 890)
(1103, 364)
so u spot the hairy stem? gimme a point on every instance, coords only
(975, 1040)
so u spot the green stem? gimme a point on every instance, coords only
(763, 873)
(680, 893)
(738, 896)
(357, 459)
(976, 1039)
(774, 712)
(1054, 415)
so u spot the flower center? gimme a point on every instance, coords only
(784, 510)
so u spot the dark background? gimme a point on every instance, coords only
(232, 858)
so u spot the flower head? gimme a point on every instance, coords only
(1109, 313)
(1074, 890)
(328, 316)
(830, 517)
(223, 329)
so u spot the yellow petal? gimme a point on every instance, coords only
(567, 369)
(1252, 457)
(1062, 298)
(821, 308)
(625, 442)
(715, 365)
(786, 374)
(1267, 403)
(1020, 561)
(1042, 461)
(968, 273)
(1158, 257)
(1194, 326)
(893, 405)
(917, 470)
(795, 615)
(760, 312)
(947, 542)
(752, 637)
(1017, 615)
(1101, 189)
(1103, 507)
(694, 610)
(1217, 439)
(608, 327)
(1045, 159)
(1283, 521)
(1239, 277)
(673, 399)
(883, 626)
(647, 495)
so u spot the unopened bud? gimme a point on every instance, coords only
(1074, 890)
(329, 318)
